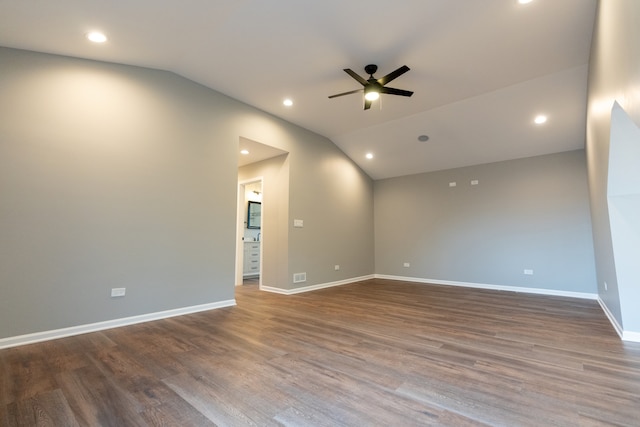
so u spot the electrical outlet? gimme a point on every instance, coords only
(298, 223)
(452, 184)
(406, 264)
(299, 277)
(474, 182)
(336, 267)
(606, 287)
(528, 272)
(118, 292)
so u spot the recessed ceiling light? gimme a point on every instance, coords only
(287, 102)
(524, 1)
(245, 152)
(96, 37)
(369, 156)
(423, 138)
(540, 119)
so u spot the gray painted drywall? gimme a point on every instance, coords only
(623, 195)
(529, 213)
(614, 76)
(118, 176)
(110, 176)
(336, 206)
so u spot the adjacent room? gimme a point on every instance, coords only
(337, 213)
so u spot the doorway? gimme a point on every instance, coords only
(249, 232)
(264, 169)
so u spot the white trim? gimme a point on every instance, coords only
(274, 290)
(108, 324)
(553, 292)
(624, 335)
(611, 318)
(631, 336)
(315, 287)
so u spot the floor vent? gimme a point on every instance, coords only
(299, 277)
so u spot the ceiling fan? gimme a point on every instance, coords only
(374, 87)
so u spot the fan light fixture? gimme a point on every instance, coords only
(372, 95)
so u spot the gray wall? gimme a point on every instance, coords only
(530, 213)
(614, 75)
(336, 205)
(117, 176)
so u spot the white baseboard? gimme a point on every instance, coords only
(630, 336)
(274, 290)
(315, 287)
(625, 335)
(99, 326)
(540, 291)
(611, 318)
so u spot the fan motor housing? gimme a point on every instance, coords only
(371, 69)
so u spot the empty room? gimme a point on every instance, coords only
(420, 212)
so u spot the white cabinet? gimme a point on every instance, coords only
(251, 264)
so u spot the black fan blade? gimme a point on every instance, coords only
(353, 74)
(346, 93)
(367, 104)
(392, 91)
(393, 75)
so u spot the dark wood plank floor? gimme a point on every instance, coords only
(372, 353)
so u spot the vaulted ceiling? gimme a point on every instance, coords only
(481, 70)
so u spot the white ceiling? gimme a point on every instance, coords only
(480, 69)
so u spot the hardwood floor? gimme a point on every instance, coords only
(378, 352)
